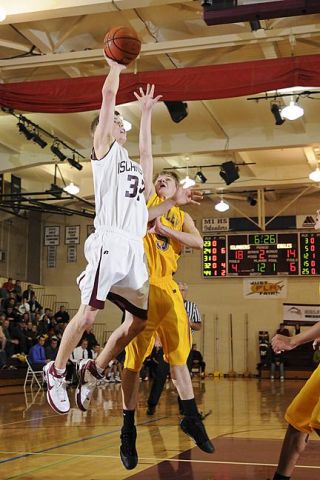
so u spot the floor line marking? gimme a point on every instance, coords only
(154, 459)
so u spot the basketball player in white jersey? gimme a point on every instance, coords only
(116, 266)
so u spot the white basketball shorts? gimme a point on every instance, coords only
(116, 270)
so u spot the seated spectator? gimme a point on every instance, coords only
(90, 337)
(3, 296)
(35, 306)
(96, 350)
(18, 333)
(11, 343)
(28, 293)
(24, 307)
(62, 316)
(52, 349)
(18, 290)
(282, 330)
(8, 285)
(9, 302)
(37, 354)
(30, 334)
(43, 325)
(195, 359)
(80, 352)
(3, 355)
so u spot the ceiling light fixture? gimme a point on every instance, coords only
(200, 177)
(3, 14)
(38, 140)
(187, 182)
(276, 112)
(24, 130)
(72, 189)
(178, 110)
(127, 125)
(229, 172)
(222, 206)
(292, 111)
(57, 152)
(255, 25)
(74, 163)
(315, 175)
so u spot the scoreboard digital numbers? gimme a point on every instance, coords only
(261, 254)
(310, 253)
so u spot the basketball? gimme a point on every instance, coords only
(122, 45)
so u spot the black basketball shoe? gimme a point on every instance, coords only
(128, 452)
(194, 427)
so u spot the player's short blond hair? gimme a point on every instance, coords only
(170, 173)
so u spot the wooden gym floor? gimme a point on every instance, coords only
(246, 425)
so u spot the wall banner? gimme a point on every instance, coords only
(270, 288)
(51, 235)
(304, 314)
(72, 235)
(72, 254)
(51, 256)
(215, 224)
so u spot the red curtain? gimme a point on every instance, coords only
(196, 83)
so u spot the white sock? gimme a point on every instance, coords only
(60, 371)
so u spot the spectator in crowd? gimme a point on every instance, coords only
(80, 352)
(196, 360)
(30, 334)
(282, 330)
(114, 371)
(276, 360)
(28, 293)
(8, 285)
(18, 290)
(35, 306)
(3, 355)
(11, 343)
(52, 349)
(18, 333)
(90, 336)
(43, 325)
(24, 307)
(62, 316)
(37, 354)
(96, 350)
(26, 318)
(3, 296)
(297, 328)
(9, 302)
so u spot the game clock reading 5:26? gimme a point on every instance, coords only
(261, 254)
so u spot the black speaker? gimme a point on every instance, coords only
(229, 172)
(178, 110)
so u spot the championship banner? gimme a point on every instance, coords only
(258, 288)
(304, 314)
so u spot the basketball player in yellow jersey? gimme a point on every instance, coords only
(167, 316)
(303, 414)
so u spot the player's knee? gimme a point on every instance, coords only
(87, 319)
(137, 326)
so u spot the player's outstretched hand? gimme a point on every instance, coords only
(183, 196)
(316, 343)
(146, 99)
(157, 227)
(281, 342)
(113, 63)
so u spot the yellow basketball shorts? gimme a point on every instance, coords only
(304, 411)
(168, 318)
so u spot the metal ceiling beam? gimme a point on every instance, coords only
(166, 47)
(21, 11)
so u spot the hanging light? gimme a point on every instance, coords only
(315, 175)
(72, 189)
(126, 125)
(222, 206)
(292, 111)
(187, 182)
(3, 14)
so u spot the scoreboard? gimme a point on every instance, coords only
(261, 254)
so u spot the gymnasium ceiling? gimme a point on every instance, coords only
(47, 39)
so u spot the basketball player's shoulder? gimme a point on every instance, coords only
(153, 200)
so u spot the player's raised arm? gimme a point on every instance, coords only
(146, 102)
(103, 136)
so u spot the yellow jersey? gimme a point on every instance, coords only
(163, 252)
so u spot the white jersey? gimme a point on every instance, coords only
(119, 198)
